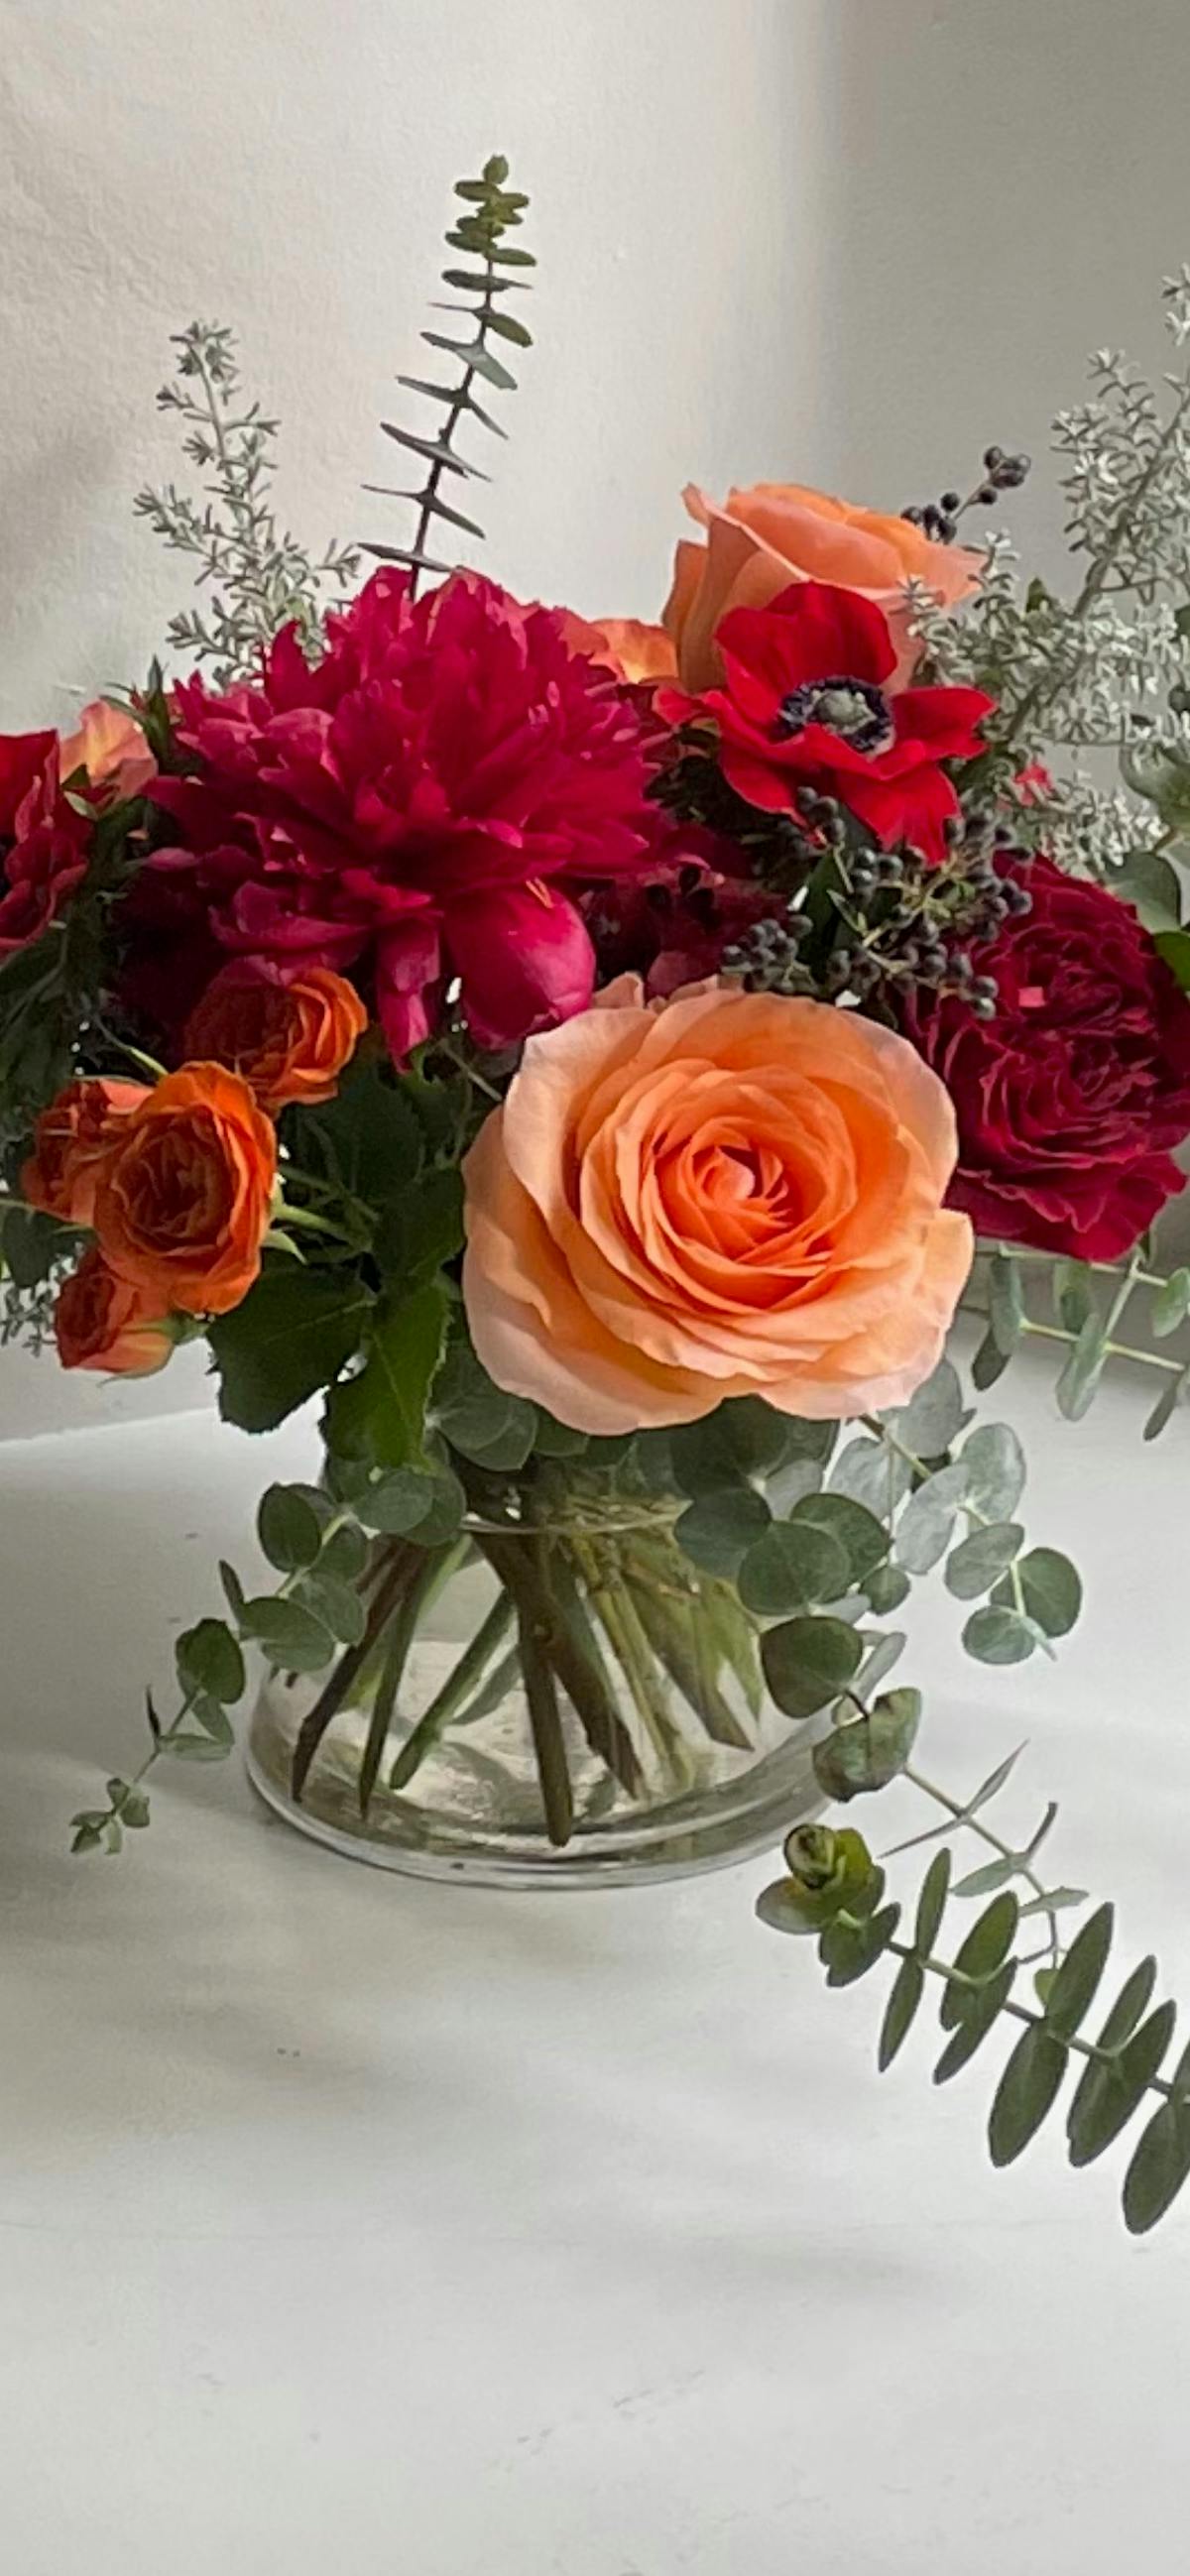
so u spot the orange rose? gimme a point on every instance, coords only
(632, 649)
(775, 533)
(102, 1322)
(184, 1196)
(111, 747)
(728, 1194)
(288, 1037)
(70, 1144)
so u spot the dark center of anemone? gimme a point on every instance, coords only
(854, 709)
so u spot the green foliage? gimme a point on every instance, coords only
(720, 1529)
(209, 1661)
(979, 1992)
(869, 1751)
(294, 1639)
(293, 1334)
(494, 1430)
(380, 1414)
(288, 1528)
(926, 1526)
(492, 210)
(809, 1662)
(255, 575)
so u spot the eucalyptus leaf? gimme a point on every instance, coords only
(934, 1416)
(1159, 2167)
(998, 1635)
(995, 1464)
(1108, 2095)
(808, 1662)
(886, 1587)
(907, 1991)
(792, 1565)
(1151, 885)
(1052, 1590)
(288, 1529)
(980, 2015)
(1171, 1305)
(1025, 2093)
(872, 1473)
(1083, 1369)
(848, 1951)
(882, 1658)
(293, 1638)
(931, 1904)
(1006, 1303)
(1074, 1294)
(718, 1529)
(209, 1659)
(927, 1522)
(988, 1364)
(859, 1532)
(868, 1752)
(981, 1558)
(1078, 1979)
(1165, 1407)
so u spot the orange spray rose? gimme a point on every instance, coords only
(288, 1036)
(183, 1200)
(70, 1144)
(728, 1194)
(103, 1322)
(111, 747)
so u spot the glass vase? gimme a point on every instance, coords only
(539, 1711)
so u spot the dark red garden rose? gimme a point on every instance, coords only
(422, 804)
(44, 842)
(806, 704)
(1071, 1094)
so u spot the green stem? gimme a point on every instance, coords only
(436, 1568)
(470, 1668)
(549, 1743)
(403, 1564)
(975, 1825)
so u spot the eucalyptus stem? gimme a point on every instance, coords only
(1023, 1867)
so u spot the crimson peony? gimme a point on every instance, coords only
(44, 842)
(1071, 1094)
(420, 805)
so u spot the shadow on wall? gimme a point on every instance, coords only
(37, 1395)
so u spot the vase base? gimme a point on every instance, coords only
(661, 1844)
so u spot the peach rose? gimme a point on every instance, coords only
(71, 1141)
(111, 747)
(102, 1322)
(727, 1194)
(629, 646)
(775, 533)
(289, 1036)
(184, 1196)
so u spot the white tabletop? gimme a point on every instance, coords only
(354, 2221)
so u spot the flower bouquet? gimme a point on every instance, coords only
(594, 1064)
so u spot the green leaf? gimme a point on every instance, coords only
(887, 1586)
(233, 1588)
(997, 1635)
(995, 1464)
(1174, 947)
(368, 1139)
(1151, 885)
(380, 1414)
(980, 1955)
(1052, 1589)
(718, 1530)
(1133, 2000)
(291, 1336)
(790, 1566)
(926, 1525)
(988, 1364)
(1084, 1368)
(934, 1416)
(1171, 1305)
(785, 1908)
(1165, 1407)
(484, 1423)
(208, 1659)
(1006, 1303)
(32, 1243)
(508, 327)
(867, 1753)
(979, 1560)
(872, 1473)
(288, 1529)
(292, 1638)
(1108, 2095)
(931, 1904)
(1025, 2093)
(338, 1604)
(980, 2015)
(1074, 1294)
(993, 1874)
(908, 1989)
(807, 1662)
(399, 1504)
(421, 1231)
(848, 1950)
(344, 1555)
(213, 1719)
(556, 1439)
(884, 1653)
(1159, 2167)
(1077, 1980)
(134, 1809)
(863, 1538)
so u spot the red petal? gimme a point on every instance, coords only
(525, 959)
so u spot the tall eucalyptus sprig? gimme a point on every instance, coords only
(492, 211)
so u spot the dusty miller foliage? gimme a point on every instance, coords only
(1105, 670)
(256, 575)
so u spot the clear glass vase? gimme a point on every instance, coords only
(560, 1718)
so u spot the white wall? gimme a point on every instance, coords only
(286, 165)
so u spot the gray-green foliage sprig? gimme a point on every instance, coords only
(492, 211)
(839, 1896)
(256, 573)
(1086, 1324)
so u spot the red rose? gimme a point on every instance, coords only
(1071, 1093)
(48, 840)
(806, 704)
